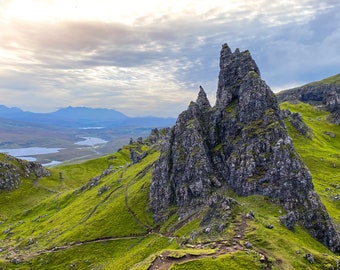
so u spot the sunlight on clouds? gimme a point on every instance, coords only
(149, 57)
(127, 11)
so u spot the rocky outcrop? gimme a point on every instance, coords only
(12, 170)
(297, 122)
(240, 143)
(320, 94)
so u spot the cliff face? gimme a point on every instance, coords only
(241, 143)
(325, 93)
(12, 170)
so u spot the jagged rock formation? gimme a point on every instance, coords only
(324, 93)
(240, 143)
(297, 122)
(12, 170)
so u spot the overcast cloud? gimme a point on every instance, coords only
(149, 57)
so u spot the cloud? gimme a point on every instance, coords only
(154, 61)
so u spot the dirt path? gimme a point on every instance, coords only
(165, 260)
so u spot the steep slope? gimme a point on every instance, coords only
(323, 93)
(241, 143)
(86, 216)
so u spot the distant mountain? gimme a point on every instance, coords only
(6, 110)
(80, 117)
(324, 93)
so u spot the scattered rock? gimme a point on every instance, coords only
(269, 226)
(16, 260)
(248, 245)
(207, 230)
(7, 231)
(250, 215)
(330, 134)
(103, 189)
(309, 258)
(30, 241)
(95, 180)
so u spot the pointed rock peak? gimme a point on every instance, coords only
(234, 67)
(202, 100)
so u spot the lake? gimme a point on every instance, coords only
(27, 152)
(30, 151)
(91, 141)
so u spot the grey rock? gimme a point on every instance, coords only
(248, 245)
(310, 258)
(330, 134)
(137, 157)
(240, 143)
(297, 122)
(103, 189)
(95, 180)
(30, 241)
(250, 215)
(12, 170)
(325, 95)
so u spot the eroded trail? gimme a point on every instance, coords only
(165, 260)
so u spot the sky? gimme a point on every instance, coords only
(149, 57)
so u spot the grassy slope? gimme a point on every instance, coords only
(330, 80)
(56, 214)
(321, 154)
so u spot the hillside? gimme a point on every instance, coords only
(325, 93)
(56, 225)
(225, 188)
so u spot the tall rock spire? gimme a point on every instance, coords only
(202, 100)
(240, 143)
(233, 69)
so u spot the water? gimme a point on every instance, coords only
(52, 163)
(91, 141)
(30, 151)
(91, 128)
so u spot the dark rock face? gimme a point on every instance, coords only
(326, 95)
(240, 143)
(13, 169)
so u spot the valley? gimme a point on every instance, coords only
(65, 130)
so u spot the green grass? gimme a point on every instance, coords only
(321, 154)
(286, 249)
(234, 261)
(330, 80)
(56, 213)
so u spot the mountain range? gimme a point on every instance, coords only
(247, 183)
(82, 117)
